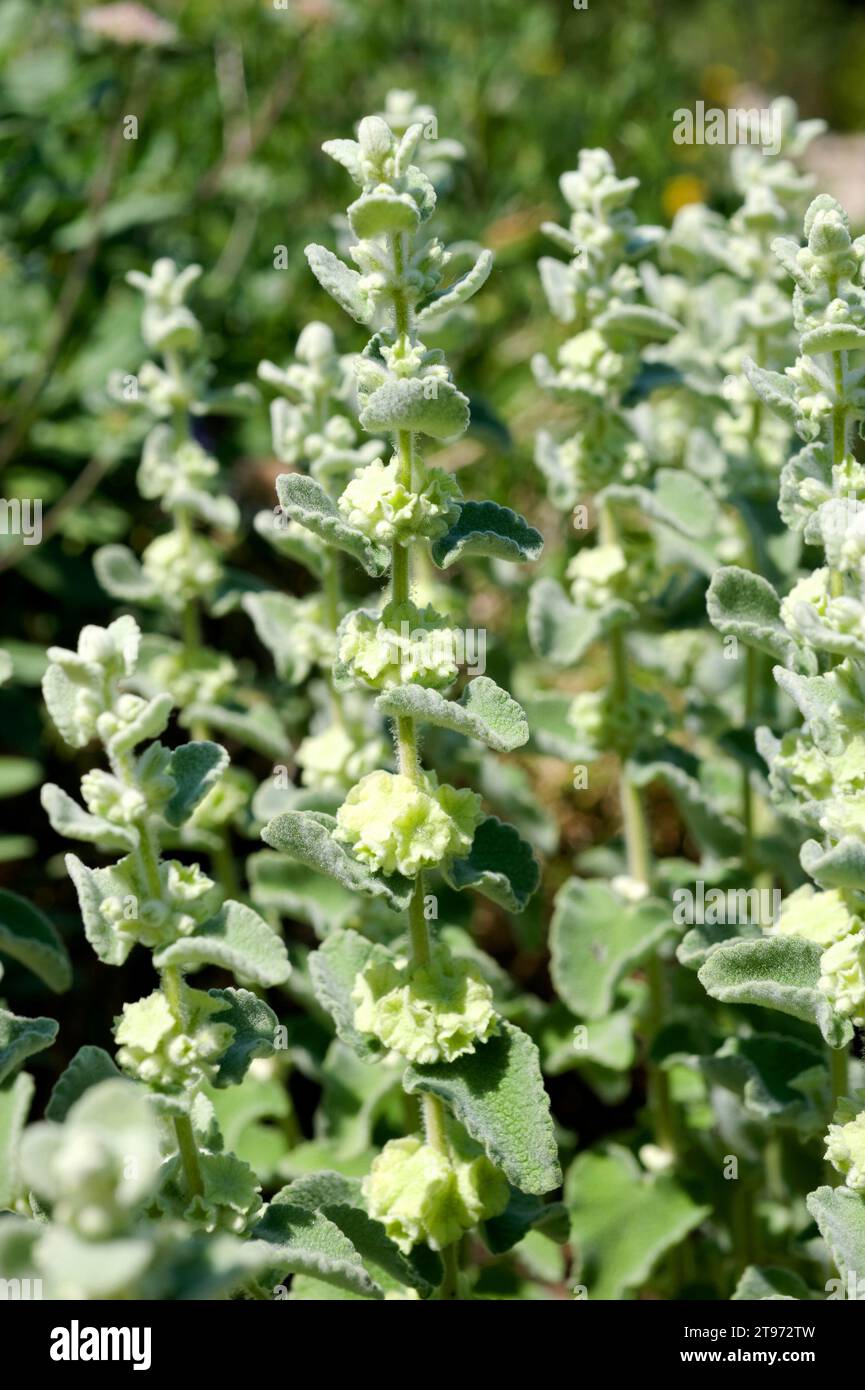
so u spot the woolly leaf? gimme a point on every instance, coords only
(833, 337)
(484, 711)
(29, 937)
(305, 501)
(88, 1067)
(93, 886)
(840, 1215)
(254, 1024)
(15, 1098)
(339, 1199)
(744, 605)
(500, 864)
(276, 618)
(776, 972)
(20, 1038)
(623, 1220)
(341, 282)
(842, 866)
(677, 499)
(460, 292)
(121, 575)
(637, 321)
(562, 633)
(334, 967)
(712, 827)
(74, 823)
(306, 1242)
(307, 837)
(497, 1094)
(383, 211)
(596, 939)
(762, 1071)
(425, 405)
(774, 388)
(485, 528)
(196, 768)
(236, 939)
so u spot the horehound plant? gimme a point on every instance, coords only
(182, 573)
(811, 963)
(600, 931)
(104, 1183)
(311, 432)
(728, 290)
(485, 1147)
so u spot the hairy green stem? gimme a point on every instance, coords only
(188, 1151)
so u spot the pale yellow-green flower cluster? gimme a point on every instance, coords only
(845, 1143)
(383, 508)
(420, 1194)
(167, 1056)
(398, 825)
(598, 574)
(405, 645)
(183, 566)
(430, 1013)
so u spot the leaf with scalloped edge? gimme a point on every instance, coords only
(624, 1220)
(88, 1067)
(196, 768)
(775, 972)
(341, 282)
(424, 405)
(254, 1024)
(31, 938)
(307, 837)
(339, 1199)
(596, 939)
(485, 528)
(20, 1038)
(236, 939)
(484, 711)
(500, 864)
(745, 605)
(305, 501)
(497, 1093)
(306, 1242)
